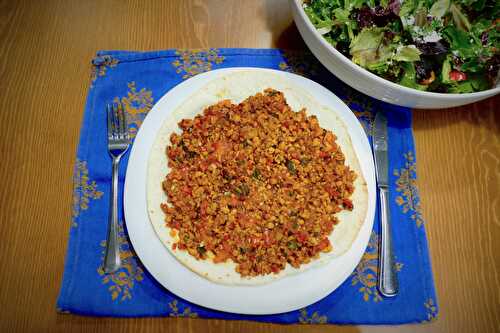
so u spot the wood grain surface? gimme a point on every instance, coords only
(45, 50)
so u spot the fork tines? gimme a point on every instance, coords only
(117, 122)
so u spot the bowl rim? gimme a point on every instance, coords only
(366, 73)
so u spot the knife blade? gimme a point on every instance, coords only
(380, 149)
(387, 278)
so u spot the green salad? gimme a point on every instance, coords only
(448, 46)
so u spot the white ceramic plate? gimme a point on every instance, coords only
(287, 294)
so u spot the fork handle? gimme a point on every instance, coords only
(387, 278)
(112, 260)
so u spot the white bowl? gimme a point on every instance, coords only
(369, 83)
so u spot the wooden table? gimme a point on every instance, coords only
(45, 50)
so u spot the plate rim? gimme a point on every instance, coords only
(228, 304)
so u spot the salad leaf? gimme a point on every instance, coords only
(474, 83)
(486, 32)
(459, 18)
(365, 45)
(481, 26)
(350, 4)
(479, 82)
(393, 5)
(380, 63)
(473, 65)
(432, 48)
(475, 4)
(445, 72)
(319, 21)
(478, 5)
(330, 40)
(459, 41)
(407, 53)
(421, 17)
(461, 87)
(440, 8)
(364, 17)
(324, 30)
(409, 78)
(341, 15)
(407, 7)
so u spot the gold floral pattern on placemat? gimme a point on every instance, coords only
(176, 311)
(192, 62)
(406, 185)
(431, 309)
(365, 274)
(121, 283)
(314, 318)
(299, 62)
(84, 190)
(100, 65)
(137, 104)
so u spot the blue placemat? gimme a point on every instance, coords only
(139, 79)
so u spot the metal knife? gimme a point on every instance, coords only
(387, 278)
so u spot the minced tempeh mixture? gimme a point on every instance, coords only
(256, 183)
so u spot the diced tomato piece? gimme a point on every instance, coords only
(323, 244)
(458, 76)
(245, 220)
(174, 175)
(233, 201)
(328, 224)
(187, 190)
(268, 238)
(332, 191)
(302, 236)
(347, 203)
(275, 268)
(220, 148)
(175, 138)
(221, 256)
(185, 123)
(329, 138)
(164, 207)
(255, 241)
(204, 166)
(203, 208)
(172, 153)
(323, 154)
(226, 247)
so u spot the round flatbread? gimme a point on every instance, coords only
(237, 87)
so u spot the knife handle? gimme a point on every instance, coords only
(387, 278)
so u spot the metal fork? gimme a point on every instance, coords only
(118, 143)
